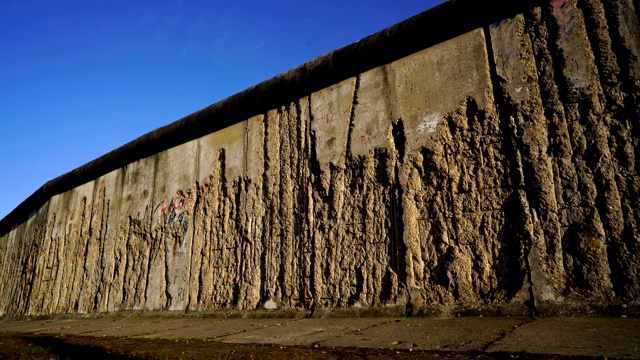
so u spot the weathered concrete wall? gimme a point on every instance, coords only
(493, 171)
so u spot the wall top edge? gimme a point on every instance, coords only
(438, 24)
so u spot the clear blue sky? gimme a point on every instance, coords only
(80, 78)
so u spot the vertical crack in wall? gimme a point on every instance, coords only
(352, 116)
(303, 220)
(195, 266)
(100, 266)
(313, 184)
(397, 225)
(520, 218)
(194, 226)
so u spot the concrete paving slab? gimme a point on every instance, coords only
(133, 327)
(460, 333)
(88, 327)
(607, 337)
(18, 325)
(306, 331)
(58, 326)
(217, 328)
(37, 326)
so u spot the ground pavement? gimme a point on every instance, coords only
(578, 336)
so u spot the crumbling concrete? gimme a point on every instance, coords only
(494, 171)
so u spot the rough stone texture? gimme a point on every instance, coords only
(493, 172)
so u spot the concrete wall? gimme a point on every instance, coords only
(494, 171)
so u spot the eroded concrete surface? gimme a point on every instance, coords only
(493, 172)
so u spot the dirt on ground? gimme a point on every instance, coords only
(14, 346)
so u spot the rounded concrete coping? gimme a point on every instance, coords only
(443, 22)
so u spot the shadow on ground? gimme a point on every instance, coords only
(14, 346)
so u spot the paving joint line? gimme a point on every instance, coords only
(522, 323)
(357, 330)
(246, 331)
(86, 333)
(142, 335)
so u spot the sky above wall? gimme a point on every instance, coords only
(81, 78)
